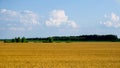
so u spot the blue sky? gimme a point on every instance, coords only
(43, 18)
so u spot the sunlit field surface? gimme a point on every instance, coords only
(60, 55)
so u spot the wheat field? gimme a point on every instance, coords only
(60, 55)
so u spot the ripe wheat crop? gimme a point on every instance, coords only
(60, 55)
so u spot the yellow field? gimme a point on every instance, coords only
(60, 55)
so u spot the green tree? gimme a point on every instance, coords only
(18, 39)
(13, 40)
(50, 39)
(23, 40)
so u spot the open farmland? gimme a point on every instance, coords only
(60, 55)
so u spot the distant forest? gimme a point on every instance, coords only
(81, 38)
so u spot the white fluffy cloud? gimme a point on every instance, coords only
(58, 18)
(29, 17)
(18, 20)
(8, 15)
(114, 17)
(24, 20)
(112, 20)
(26, 17)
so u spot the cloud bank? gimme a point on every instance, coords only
(24, 20)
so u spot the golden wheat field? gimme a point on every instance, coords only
(60, 55)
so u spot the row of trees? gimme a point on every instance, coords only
(112, 38)
(44, 40)
(16, 40)
(23, 40)
(79, 38)
(88, 38)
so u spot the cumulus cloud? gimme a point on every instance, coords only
(26, 17)
(114, 17)
(24, 20)
(58, 18)
(8, 15)
(111, 20)
(18, 18)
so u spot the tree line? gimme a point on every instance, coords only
(16, 40)
(112, 38)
